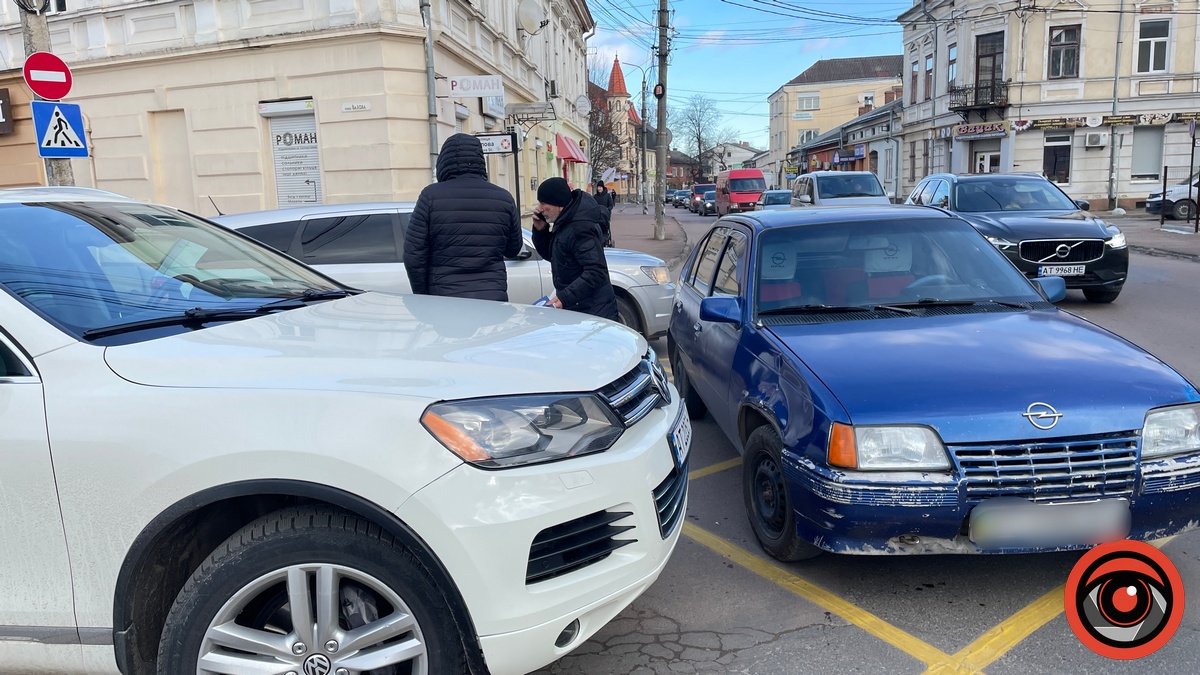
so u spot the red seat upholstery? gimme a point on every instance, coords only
(778, 291)
(887, 286)
(837, 280)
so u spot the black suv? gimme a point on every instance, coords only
(1033, 222)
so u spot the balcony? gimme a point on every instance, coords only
(979, 98)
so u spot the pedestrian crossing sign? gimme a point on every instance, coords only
(59, 128)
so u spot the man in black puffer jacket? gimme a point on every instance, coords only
(575, 249)
(462, 228)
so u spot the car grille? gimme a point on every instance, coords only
(575, 544)
(1084, 468)
(1045, 251)
(637, 392)
(669, 497)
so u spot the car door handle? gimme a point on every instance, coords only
(678, 306)
(697, 327)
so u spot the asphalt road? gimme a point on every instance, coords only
(723, 606)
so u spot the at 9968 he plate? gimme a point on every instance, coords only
(680, 438)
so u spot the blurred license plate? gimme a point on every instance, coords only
(1060, 270)
(680, 438)
(1013, 522)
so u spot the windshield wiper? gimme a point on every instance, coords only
(938, 302)
(199, 316)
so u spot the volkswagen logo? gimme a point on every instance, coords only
(317, 664)
(1062, 251)
(660, 382)
(1041, 415)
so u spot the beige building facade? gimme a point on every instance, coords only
(826, 95)
(209, 105)
(1001, 87)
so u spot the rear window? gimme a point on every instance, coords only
(701, 189)
(777, 198)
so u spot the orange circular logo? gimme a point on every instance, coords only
(1124, 600)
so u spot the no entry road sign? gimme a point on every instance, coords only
(47, 76)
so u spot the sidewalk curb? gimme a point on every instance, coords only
(1164, 253)
(687, 244)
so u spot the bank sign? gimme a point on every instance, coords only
(965, 132)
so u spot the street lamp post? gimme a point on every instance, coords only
(642, 143)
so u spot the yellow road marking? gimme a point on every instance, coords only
(856, 615)
(714, 468)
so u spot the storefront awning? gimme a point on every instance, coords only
(569, 150)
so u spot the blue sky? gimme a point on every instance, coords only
(737, 52)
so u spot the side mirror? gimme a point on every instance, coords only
(1051, 288)
(722, 309)
(1083, 204)
(891, 196)
(526, 252)
(805, 199)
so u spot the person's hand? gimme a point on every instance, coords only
(539, 220)
(555, 302)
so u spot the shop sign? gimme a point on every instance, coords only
(945, 132)
(1050, 123)
(984, 130)
(802, 116)
(860, 151)
(1187, 116)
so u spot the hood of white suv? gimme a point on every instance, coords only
(429, 347)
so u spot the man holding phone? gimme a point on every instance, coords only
(567, 232)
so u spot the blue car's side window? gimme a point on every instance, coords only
(706, 261)
(729, 272)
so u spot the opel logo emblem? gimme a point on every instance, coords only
(1063, 250)
(1042, 415)
(317, 664)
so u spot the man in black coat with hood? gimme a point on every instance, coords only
(462, 228)
(575, 248)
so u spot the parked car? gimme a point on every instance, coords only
(1179, 202)
(1037, 226)
(708, 205)
(223, 461)
(362, 245)
(895, 386)
(772, 200)
(838, 188)
(739, 189)
(697, 197)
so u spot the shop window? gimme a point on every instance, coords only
(1147, 153)
(1056, 157)
(1064, 52)
(1153, 37)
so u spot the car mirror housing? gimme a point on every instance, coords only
(1083, 204)
(1052, 288)
(721, 309)
(805, 199)
(525, 254)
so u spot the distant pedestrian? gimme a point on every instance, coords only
(462, 228)
(574, 247)
(604, 199)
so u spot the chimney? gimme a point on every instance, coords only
(889, 96)
(865, 108)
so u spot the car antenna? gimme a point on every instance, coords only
(215, 206)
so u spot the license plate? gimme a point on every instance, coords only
(680, 438)
(1060, 270)
(1017, 523)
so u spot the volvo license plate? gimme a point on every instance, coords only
(680, 438)
(1061, 270)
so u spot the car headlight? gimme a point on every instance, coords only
(1170, 431)
(1002, 244)
(1117, 240)
(502, 432)
(892, 448)
(658, 273)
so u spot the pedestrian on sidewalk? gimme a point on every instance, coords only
(566, 231)
(604, 199)
(462, 228)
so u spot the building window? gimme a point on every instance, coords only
(925, 156)
(56, 7)
(869, 99)
(1064, 52)
(929, 77)
(806, 135)
(1147, 153)
(1152, 46)
(913, 84)
(808, 102)
(912, 160)
(951, 63)
(1056, 157)
(989, 59)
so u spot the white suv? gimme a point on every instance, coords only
(838, 188)
(218, 460)
(362, 246)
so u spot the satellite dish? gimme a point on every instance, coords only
(583, 105)
(530, 16)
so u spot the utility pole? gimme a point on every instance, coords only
(431, 88)
(642, 156)
(1112, 136)
(36, 31)
(660, 175)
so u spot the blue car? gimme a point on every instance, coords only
(895, 385)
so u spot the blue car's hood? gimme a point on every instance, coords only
(1022, 225)
(973, 376)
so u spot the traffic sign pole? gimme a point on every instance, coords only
(36, 33)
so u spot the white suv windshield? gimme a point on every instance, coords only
(95, 265)
(850, 185)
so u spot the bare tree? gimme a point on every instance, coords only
(598, 68)
(697, 129)
(604, 149)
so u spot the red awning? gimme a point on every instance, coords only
(569, 150)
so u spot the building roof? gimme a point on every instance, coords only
(633, 116)
(857, 68)
(598, 95)
(677, 157)
(616, 81)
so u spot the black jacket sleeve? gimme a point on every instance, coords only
(589, 255)
(515, 241)
(416, 247)
(543, 241)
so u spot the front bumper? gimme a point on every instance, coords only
(482, 524)
(929, 514)
(656, 302)
(1155, 206)
(1108, 270)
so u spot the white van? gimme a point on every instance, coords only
(838, 188)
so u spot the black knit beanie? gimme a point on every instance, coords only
(554, 191)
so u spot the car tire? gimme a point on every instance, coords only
(1102, 295)
(683, 384)
(628, 315)
(365, 574)
(768, 504)
(1184, 209)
